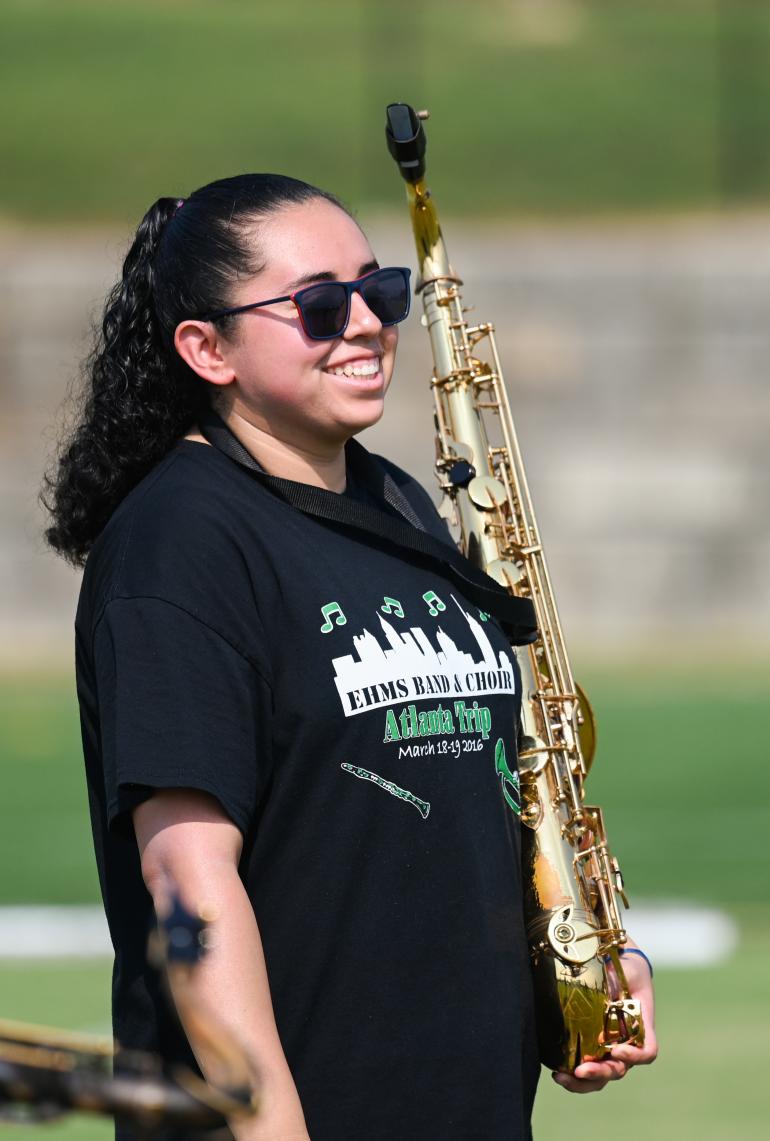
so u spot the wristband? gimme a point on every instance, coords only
(636, 951)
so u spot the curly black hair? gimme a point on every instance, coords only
(139, 397)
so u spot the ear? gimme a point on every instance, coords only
(200, 345)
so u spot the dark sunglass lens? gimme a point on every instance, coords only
(386, 293)
(324, 309)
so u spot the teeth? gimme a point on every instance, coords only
(359, 370)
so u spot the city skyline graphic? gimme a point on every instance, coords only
(411, 667)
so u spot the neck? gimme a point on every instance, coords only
(317, 467)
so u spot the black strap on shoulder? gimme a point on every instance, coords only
(516, 615)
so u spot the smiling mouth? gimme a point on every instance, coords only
(371, 368)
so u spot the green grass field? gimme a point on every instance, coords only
(706, 1084)
(680, 771)
(681, 775)
(45, 836)
(620, 106)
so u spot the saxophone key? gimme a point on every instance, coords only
(461, 474)
(505, 572)
(487, 492)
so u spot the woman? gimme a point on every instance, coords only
(286, 717)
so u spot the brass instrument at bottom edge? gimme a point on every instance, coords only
(571, 882)
(46, 1073)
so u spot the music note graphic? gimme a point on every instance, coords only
(483, 616)
(328, 610)
(434, 603)
(392, 606)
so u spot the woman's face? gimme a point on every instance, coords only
(285, 383)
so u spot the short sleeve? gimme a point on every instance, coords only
(179, 708)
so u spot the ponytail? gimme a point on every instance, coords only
(140, 397)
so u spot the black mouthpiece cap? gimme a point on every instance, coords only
(406, 140)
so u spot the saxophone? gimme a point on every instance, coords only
(571, 881)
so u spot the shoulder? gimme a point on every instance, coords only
(180, 499)
(187, 484)
(179, 535)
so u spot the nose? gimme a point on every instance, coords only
(363, 322)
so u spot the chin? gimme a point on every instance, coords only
(366, 417)
(370, 421)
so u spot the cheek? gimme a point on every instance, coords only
(287, 385)
(282, 366)
(389, 342)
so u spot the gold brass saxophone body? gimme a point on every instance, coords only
(571, 882)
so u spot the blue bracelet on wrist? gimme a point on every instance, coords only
(636, 951)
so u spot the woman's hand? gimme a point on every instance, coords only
(589, 1077)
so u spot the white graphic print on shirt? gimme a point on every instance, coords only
(413, 667)
(417, 665)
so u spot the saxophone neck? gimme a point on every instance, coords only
(432, 253)
(407, 144)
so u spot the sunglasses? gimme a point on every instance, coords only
(324, 309)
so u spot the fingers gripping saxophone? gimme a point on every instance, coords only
(571, 882)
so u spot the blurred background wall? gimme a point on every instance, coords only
(634, 351)
(602, 168)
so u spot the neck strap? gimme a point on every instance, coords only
(516, 615)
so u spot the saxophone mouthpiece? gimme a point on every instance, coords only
(406, 139)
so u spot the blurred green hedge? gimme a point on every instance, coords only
(538, 106)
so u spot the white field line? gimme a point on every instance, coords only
(53, 933)
(682, 934)
(672, 934)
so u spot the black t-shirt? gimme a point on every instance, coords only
(355, 717)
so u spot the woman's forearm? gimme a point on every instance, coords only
(231, 981)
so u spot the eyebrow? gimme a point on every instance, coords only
(327, 275)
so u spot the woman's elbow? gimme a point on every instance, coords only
(187, 846)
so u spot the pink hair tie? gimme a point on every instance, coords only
(179, 204)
